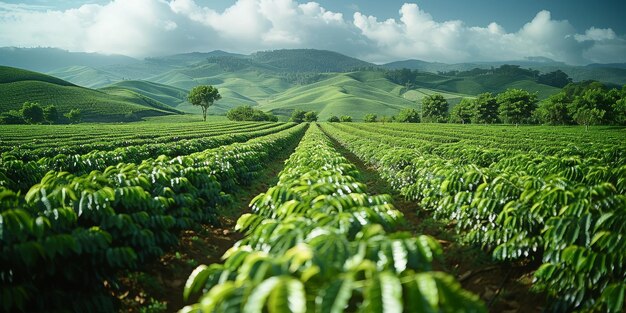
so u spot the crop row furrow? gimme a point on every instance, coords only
(71, 234)
(497, 145)
(21, 175)
(572, 217)
(319, 242)
(47, 148)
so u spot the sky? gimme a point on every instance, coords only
(450, 31)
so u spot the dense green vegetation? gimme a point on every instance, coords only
(319, 242)
(525, 194)
(74, 232)
(79, 204)
(248, 113)
(550, 196)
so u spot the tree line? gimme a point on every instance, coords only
(586, 103)
(558, 78)
(34, 113)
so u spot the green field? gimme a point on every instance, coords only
(362, 201)
(18, 86)
(281, 81)
(354, 94)
(171, 212)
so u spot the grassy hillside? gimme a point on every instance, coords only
(47, 59)
(246, 86)
(474, 85)
(86, 76)
(11, 75)
(309, 60)
(95, 105)
(354, 94)
(166, 94)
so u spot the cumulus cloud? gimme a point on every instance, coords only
(156, 27)
(416, 34)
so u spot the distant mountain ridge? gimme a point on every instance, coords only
(48, 59)
(607, 73)
(309, 60)
(118, 67)
(309, 79)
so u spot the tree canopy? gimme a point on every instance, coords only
(434, 109)
(516, 106)
(333, 119)
(248, 113)
(463, 112)
(310, 116)
(203, 96)
(74, 115)
(32, 113)
(408, 115)
(485, 109)
(370, 118)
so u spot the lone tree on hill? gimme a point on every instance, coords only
(203, 96)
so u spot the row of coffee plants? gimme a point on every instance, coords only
(567, 212)
(589, 164)
(496, 142)
(21, 175)
(319, 242)
(83, 142)
(63, 243)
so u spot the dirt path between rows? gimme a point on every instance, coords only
(503, 287)
(158, 287)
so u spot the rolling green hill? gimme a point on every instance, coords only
(281, 81)
(309, 60)
(474, 85)
(354, 94)
(166, 94)
(47, 59)
(86, 76)
(18, 86)
(246, 86)
(12, 75)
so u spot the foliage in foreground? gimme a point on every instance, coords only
(65, 241)
(318, 242)
(569, 212)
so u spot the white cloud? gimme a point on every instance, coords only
(417, 35)
(157, 27)
(596, 34)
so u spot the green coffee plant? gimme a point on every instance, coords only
(318, 242)
(70, 235)
(524, 205)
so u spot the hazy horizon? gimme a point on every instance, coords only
(434, 31)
